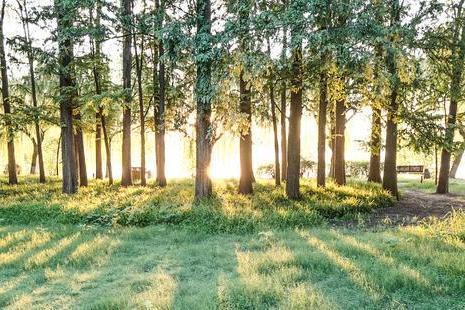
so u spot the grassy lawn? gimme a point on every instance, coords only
(78, 252)
(456, 186)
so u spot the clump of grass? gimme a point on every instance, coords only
(226, 211)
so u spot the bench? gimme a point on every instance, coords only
(413, 169)
(136, 173)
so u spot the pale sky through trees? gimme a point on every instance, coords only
(358, 128)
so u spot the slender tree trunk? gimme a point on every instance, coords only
(126, 178)
(81, 156)
(109, 171)
(67, 96)
(456, 162)
(27, 35)
(277, 176)
(245, 143)
(455, 94)
(34, 157)
(160, 79)
(374, 173)
(57, 161)
(98, 146)
(203, 89)
(332, 142)
(293, 153)
(322, 110)
(339, 160)
(139, 64)
(390, 161)
(283, 115)
(12, 175)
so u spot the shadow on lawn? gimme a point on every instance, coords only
(159, 267)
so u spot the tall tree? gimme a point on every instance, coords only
(245, 101)
(203, 91)
(390, 160)
(139, 59)
(322, 115)
(24, 15)
(296, 88)
(458, 61)
(80, 153)
(12, 176)
(283, 112)
(271, 90)
(64, 15)
(160, 100)
(126, 6)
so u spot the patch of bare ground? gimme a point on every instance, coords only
(414, 206)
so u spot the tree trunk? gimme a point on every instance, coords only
(283, 115)
(12, 176)
(126, 178)
(33, 158)
(322, 110)
(98, 146)
(81, 156)
(57, 161)
(390, 161)
(27, 35)
(203, 89)
(293, 153)
(160, 79)
(67, 96)
(339, 160)
(139, 64)
(245, 143)
(109, 171)
(456, 162)
(332, 142)
(277, 176)
(455, 94)
(374, 173)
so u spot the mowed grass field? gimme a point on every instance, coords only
(96, 250)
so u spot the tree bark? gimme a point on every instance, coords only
(27, 36)
(283, 115)
(109, 171)
(293, 153)
(67, 96)
(456, 162)
(322, 110)
(390, 161)
(277, 176)
(245, 143)
(81, 156)
(12, 175)
(339, 160)
(34, 158)
(203, 89)
(332, 142)
(126, 178)
(98, 146)
(374, 173)
(455, 94)
(160, 78)
(139, 64)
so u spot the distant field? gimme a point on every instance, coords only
(456, 186)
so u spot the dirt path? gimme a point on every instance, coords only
(415, 206)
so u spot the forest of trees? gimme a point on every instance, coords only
(230, 65)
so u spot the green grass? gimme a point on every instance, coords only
(55, 254)
(32, 203)
(456, 186)
(163, 267)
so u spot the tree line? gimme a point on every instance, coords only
(228, 64)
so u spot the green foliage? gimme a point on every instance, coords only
(100, 204)
(357, 168)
